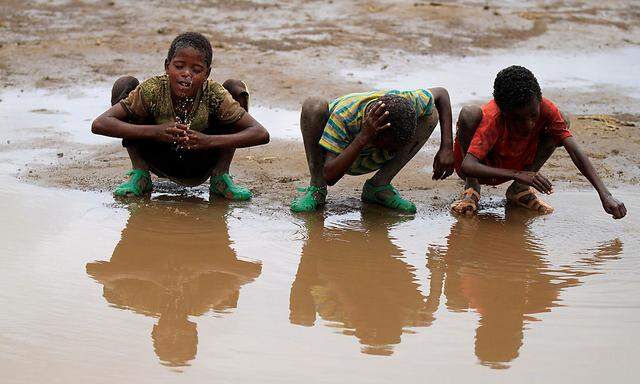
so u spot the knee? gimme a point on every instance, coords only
(314, 108)
(122, 87)
(470, 116)
(566, 118)
(235, 86)
(468, 120)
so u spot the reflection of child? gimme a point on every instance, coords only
(180, 125)
(374, 131)
(510, 138)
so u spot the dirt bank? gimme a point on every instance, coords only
(288, 50)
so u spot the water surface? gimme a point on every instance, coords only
(178, 288)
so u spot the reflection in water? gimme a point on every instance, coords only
(497, 268)
(355, 278)
(174, 261)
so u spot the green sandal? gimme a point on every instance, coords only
(223, 185)
(370, 195)
(313, 198)
(132, 187)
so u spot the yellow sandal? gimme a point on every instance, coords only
(534, 204)
(469, 199)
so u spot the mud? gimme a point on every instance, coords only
(179, 288)
(184, 287)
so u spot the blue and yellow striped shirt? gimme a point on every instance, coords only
(345, 122)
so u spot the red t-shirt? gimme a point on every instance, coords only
(494, 145)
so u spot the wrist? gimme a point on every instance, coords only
(210, 142)
(151, 134)
(604, 194)
(362, 139)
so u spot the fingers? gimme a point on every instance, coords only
(623, 210)
(618, 210)
(546, 183)
(377, 110)
(438, 171)
(542, 184)
(175, 131)
(447, 173)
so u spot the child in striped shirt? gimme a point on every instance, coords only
(374, 131)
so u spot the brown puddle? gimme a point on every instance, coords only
(179, 288)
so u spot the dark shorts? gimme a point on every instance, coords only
(165, 160)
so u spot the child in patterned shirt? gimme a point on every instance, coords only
(373, 131)
(180, 125)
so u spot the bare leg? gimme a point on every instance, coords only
(390, 169)
(239, 92)
(546, 147)
(120, 90)
(468, 121)
(314, 116)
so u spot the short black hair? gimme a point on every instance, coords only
(194, 40)
(403, 119)
(514, 87)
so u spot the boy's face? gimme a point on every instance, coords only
(384, 141)
(187, 71)
(523, 120)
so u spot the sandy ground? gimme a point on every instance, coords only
(287, 50)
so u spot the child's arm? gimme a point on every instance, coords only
(582, 162)
(472, 167)
(443, 162)
(113, 123)
(336, 166)
(248, 133)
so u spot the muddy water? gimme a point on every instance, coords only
(179, 288)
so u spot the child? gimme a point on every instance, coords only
(181, 125)
(364, 132)
(510, 138)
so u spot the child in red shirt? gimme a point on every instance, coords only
(510, 138)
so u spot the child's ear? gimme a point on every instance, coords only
(166, 65)
(208, 71)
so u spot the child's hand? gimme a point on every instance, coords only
(196, 141)
(374, 122)
(443, 164)
(614, 207)
(535, 180)
(173, 133)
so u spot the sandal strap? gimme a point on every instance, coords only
(382, 188)
(312, 189)
(526, 192)
(471, 192)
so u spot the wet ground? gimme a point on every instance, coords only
(177, 288)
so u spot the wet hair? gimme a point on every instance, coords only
(515, 87)
(402, 116)
(194, 40)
